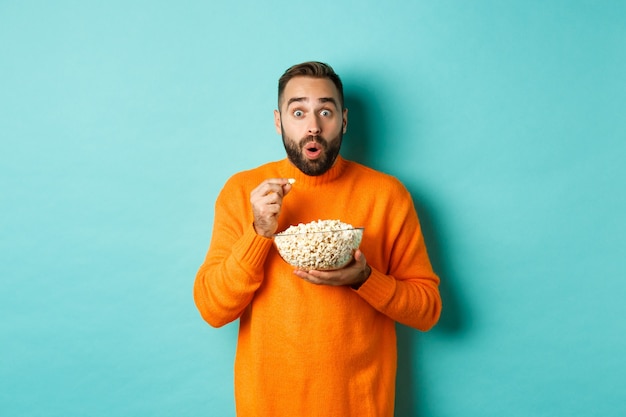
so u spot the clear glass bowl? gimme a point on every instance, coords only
(320, 250)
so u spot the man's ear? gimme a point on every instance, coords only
(277, 122)
(345, 120)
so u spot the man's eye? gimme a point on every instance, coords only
(298, 113)
(325, 113)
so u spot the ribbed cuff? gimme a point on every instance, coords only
(377, 289)
(251, 249)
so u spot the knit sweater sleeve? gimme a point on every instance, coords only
(233, 268)
(407, 289)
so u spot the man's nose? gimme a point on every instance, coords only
(314, 126)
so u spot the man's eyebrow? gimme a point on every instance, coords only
(329, 100)
(306, 99)
(296, 100)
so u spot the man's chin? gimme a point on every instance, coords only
(311, 167)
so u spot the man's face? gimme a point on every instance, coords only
(312, 123)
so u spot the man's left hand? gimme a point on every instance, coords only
(354, 274)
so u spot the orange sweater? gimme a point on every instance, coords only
(310, 350)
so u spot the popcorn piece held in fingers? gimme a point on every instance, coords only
(291, 180)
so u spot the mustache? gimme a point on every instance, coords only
(313, 138)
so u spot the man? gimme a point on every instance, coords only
(315, 343)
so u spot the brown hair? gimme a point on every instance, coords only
(310, 69)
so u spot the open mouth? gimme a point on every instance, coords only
(312, 150)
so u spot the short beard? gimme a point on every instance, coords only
(312, 167)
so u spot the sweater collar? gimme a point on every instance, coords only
(288, 170)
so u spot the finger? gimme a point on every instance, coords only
(269, 189)
(271, 198)
(266, 187)
(271, 193)
(288, 186)
(267, 209)
(263, 197)
(279, 185)
(280, 182)
(321, 277)
(309, 277)
(286, 189)
(359, 257)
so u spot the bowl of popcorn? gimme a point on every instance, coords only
(323, 245)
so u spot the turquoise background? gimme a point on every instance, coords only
(121, 120)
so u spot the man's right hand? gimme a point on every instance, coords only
(266, 201)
